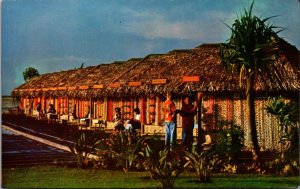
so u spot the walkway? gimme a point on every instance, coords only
(18, 150)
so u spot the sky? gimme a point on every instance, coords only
(57, 35)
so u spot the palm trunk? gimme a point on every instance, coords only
(252, 133)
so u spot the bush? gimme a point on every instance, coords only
(286, 114)
(84, 146)
(230, 141)
(167, 167)
(203, 162)
(123, 148)
(284, 167)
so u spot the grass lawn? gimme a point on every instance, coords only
(60, 177)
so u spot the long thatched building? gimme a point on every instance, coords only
(143, 83)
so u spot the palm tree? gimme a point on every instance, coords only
(249, 51)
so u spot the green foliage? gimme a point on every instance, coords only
(29, 73)
(252, 45)
(203, 162)
(230, 141)
(286, 114)
(83, 147)
(150, 154)
(164, 165)
(228, 168)
(284, 167)
(124, 148)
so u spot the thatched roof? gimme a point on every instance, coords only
(160, 73)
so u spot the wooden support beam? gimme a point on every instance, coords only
(100, 86)
(190, 78)
(135, 83)
(72, 88)
(61, 88)
(84, 87)
(159, 81)
(115, 85)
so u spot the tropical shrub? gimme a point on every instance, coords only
(123, 148)
(164, 165)
(230, 168)
(286, 114)
(284, 167)
(150, 153)
(229, 141)
(83, 147)
(203, 162)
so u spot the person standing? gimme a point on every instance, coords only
(170, 123)
(87, 117)
(187, 112)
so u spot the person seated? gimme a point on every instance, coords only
(39, 111)
(88, 116)
(128, 126)
(118, 121)
(86, 119)
(51, 109)
(74, 112)
(135, 122)
(19, 111)
(51, 113)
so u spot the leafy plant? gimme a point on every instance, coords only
(284, 167)
(230, 168)
(284, 112)
(83, 147)
(150, 154)
(230, 140)
(286, 115)
(203, 162)
(165, 165)
(124, 148)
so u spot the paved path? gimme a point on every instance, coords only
(18, 150)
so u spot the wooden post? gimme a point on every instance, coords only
(91, 111)
(200, 137)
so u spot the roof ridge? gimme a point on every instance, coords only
(114, 80)
(208, 44)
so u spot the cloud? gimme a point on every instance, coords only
(60, 35)
(155, 25)
(65, 62)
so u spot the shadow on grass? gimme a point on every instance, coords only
(145, 178)
(197, 181)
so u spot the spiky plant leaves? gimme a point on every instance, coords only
(252, 47)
